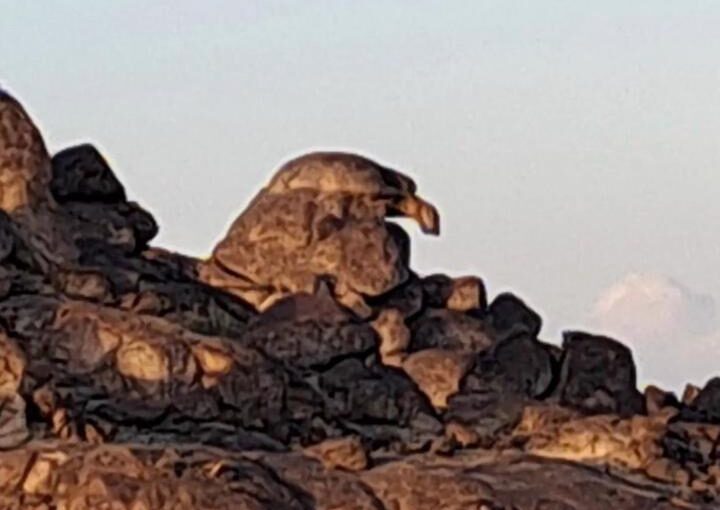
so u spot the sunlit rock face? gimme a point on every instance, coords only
(322, 215)
(25, 170)
(305, 365)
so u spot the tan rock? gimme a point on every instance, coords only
(321, 215)
(142, 361)
(213, 362)
(438, 373)
(42, 477)
(468, 293)
(462, 435)
(690, 394)
(347, 453)
(12, 366)
(657, 399)
(25, 170)
(606, 439)
(661, 469)
(394, 336)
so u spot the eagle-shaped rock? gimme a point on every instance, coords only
(323, 215)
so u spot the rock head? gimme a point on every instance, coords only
(322, 215)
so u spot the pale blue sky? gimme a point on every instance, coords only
(566, 143)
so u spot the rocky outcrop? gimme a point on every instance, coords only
(304, 365)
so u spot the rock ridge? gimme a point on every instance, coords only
(304, 365)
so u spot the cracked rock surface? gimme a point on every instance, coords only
(304, 365)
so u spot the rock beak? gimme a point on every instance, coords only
(421, 211)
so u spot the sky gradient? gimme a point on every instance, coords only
(571, 146)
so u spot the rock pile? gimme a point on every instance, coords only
(304, 365)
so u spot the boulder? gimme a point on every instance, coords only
(501, 383)
(25, 170)
(464, 294)
(450, 329)
(598, 376)
(508, 314)
(81, 174)
(438, 373)
(705, 407)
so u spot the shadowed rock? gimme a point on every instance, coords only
(508, 314)
(81, 174)
(705, 406)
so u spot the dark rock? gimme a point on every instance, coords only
(81, 174)
(598, 376)
(492, 396)
(450, 329)
(310, 331)
(437, 289)
(408, 298)
(376, 402)
(657, 399)
(124, 225)
(311, 344)
(508, 314)
(705, 406)
(527, 363)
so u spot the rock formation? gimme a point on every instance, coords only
(304, 365)
(321, 216)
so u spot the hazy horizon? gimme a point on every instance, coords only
(571, 148)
